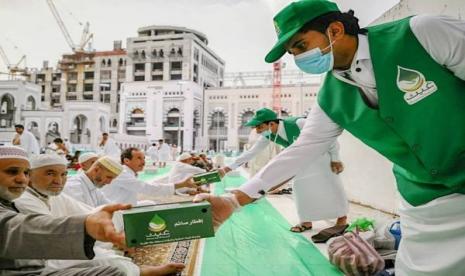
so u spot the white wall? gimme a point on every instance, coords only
(453, 8)
(367, 177)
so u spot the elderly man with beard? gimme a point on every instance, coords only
(29, 239)
(85, 186)
(86, 160)
(43, 196)
(126, 187)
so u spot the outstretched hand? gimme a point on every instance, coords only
(222, 206)
(100, 226)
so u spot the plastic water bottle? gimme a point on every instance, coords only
(396, 232)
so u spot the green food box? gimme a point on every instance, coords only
(207, 178)
(167, 223)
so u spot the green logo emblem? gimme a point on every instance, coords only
(157, 224)
(414, 84)
(276, 27)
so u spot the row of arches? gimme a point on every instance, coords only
(79, 131)
(8, 109)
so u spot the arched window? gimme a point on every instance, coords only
(173, 117)
(7, 111)
(30, 103)
(218, 119)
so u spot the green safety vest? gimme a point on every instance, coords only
(292, 132)
(420, 123)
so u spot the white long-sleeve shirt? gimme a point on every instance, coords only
(182, 171)
(164, 152)
(111, 148)
(58, 206)
(31, 202)
(81, 188)
(29, 143)
(442, 37)
(263, 142)
(126, 187)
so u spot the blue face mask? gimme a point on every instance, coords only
(266, 133)
(314, 61)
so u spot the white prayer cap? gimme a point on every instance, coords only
(184, 156)
(42, 160)
(13, 152)
(86, 156)
(110, 164)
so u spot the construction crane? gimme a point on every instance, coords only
(277, 87)
(85, 37)
(14, 69)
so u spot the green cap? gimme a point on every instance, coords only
(261, 116)
(293, 17)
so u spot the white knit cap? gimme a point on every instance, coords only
(13, 152)
(43, 160)
(110, 164)
(184, 156)
(86, 156)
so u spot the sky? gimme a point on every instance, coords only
(239, 31)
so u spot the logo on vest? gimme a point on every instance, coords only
(276, 28)
(414, 84)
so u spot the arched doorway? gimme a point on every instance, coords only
(173, 127)
(53, 131)
(30, 103)
(7, 111)
(80, 133)
(33, 127)
(244, 131)
(217, 130)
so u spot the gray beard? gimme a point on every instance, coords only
(7, 195)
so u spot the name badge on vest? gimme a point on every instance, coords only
(414, 85)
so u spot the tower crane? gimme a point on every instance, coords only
(85, 37)
(14, 69)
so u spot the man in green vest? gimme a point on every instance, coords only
(318, 190)
(398, 87)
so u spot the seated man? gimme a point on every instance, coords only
(26, 240)
(86, 160)
(198, 162)
(43, 196)
(85, 186)
(207, 161)
(126, 186)
(184, 168)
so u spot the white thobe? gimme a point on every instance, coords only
(182, 171)
(164, 152)
(29, 143)
(81, 188)
(318, 192)
(152, 152)
(31, 202)
(261, 158)
(110, 148)
(126, 187)
(443, 38)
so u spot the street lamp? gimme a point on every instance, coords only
(180, 83)
(217, 131)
